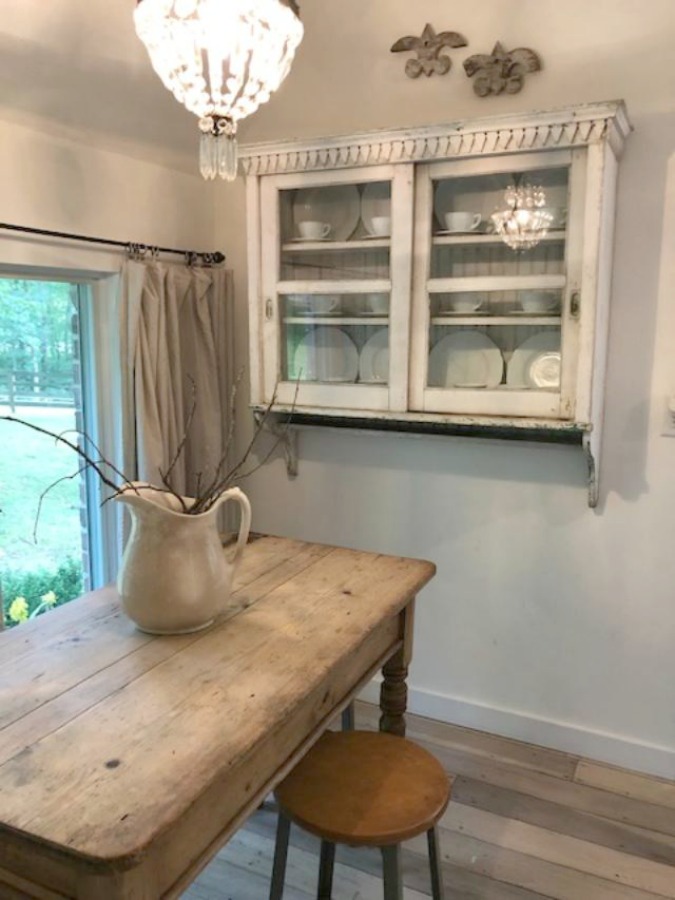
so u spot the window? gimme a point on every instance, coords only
(53, 534)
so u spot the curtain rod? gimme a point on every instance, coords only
(134, 250)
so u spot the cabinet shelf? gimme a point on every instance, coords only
(553, 237)
(382, 321)
(496, 283)
(496, 320)
(334, 246)
(366, 286)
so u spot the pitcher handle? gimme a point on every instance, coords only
(245, 525)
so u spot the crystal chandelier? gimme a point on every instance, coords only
(524, 222)
(221, 59)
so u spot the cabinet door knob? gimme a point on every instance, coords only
(269, 309)
(575, 304)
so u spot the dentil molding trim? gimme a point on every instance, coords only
(570, 127)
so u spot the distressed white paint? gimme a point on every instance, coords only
(540, 605)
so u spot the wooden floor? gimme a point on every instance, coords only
(524, 823)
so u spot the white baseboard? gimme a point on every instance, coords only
(609, 748)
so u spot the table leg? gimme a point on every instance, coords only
(394, 688)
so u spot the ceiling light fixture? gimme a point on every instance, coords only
(221, 59)
(524, 222)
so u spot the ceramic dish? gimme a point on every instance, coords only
(326, 354)
(519, 364)
(374, 358)
(302, 240)
(465, 359)
(375, 201)
(444, 200)
(337, 205)
(543, 371)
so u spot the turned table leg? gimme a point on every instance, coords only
(394, 688)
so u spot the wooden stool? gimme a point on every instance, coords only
(364, 789)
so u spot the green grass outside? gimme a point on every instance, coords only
(29, 464)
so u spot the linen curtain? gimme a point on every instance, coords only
(176, 329)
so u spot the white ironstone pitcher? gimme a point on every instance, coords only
(175, 575)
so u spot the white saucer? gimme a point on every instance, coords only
(453, 312)
(302, 240)
(376, 237)
(471, 231)
(523, 312)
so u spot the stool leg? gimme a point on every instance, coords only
(280, 856)
(393, 880)
(348, 718)
(435, 865)
(326, 862)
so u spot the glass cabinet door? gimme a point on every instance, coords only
(336, 270)
(494, 323)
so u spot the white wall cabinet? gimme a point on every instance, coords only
(380, 295)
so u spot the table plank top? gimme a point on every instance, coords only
(108, 735)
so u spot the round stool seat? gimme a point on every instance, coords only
(365, 788)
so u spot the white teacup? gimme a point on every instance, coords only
(315, 304)
(325, 303)
(312, 230)
(462, 221)
(378, 303)
(464, 302)
(558, 215)
(380, 226)
(538, 301)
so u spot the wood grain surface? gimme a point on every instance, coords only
(126, 760)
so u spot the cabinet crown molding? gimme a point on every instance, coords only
(569, 127)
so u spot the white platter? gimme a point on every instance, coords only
(326, 354)
(465, 359)
(375, 201)
(374, 358)
(543, 371)
(339, 205)
(522, 357)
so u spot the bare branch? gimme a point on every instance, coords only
(102, 461)
(47, 490)
(61, 440)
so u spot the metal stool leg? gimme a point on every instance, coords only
(280, 856)
(348, 718)
(326, 863)
(393, 880)
(435, 865)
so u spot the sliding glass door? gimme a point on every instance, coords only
(52, 535)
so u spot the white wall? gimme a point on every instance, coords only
(60, 184)
(546, 621)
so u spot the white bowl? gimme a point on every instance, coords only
(538, 301)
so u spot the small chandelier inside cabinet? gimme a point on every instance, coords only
(524, 222)
(221, 59)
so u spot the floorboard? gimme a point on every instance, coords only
(525, 823)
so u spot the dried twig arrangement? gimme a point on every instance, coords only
(207, 493)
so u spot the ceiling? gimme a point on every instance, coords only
(77, 66)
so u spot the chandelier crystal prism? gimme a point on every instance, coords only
(524, 222)
(221, 59)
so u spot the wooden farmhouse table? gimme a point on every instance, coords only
(127, 760)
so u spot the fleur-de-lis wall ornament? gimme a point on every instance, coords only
(428, 47)
(502, 71)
